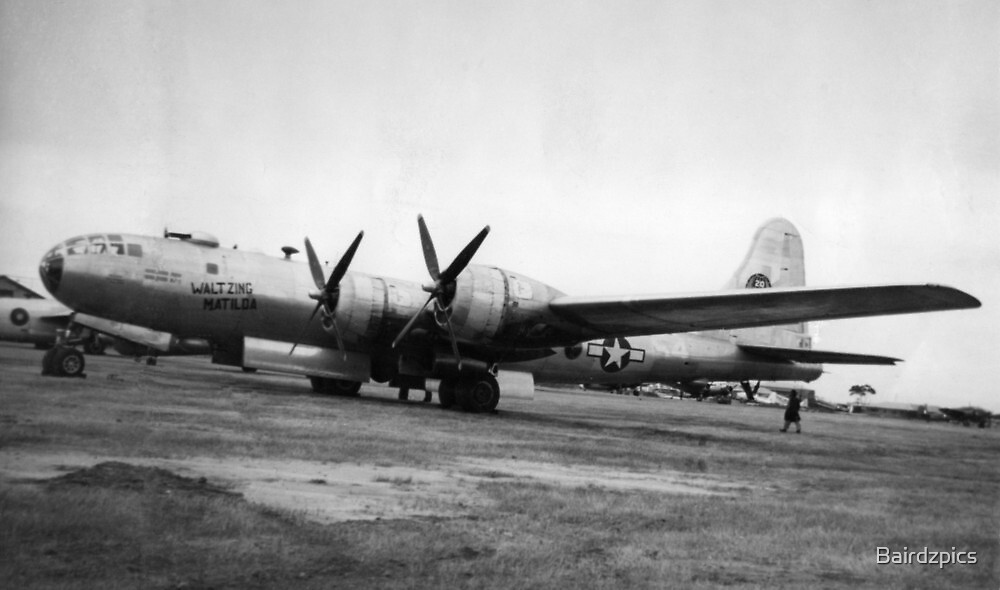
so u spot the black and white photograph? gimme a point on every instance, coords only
(514, 294)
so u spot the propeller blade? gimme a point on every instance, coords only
(306, 326)
(430, 256)
(339, 338)
(413, 320)
(454, 341)
(341, 269)
(329, 290)
(314, 266)
(462, 260)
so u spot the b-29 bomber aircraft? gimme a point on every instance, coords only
(473, 333)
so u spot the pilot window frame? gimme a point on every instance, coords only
(116, 245)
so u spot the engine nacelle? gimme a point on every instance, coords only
(360, 307)
(493, 306)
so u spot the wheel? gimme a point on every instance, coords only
(47, 359)
(249, 370)
(151, 361)
(67, 362)
(404, 394)
(446, 394)
(335, 386)
(341, 387)
(479, 394)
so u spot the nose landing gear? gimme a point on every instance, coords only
(63, 361)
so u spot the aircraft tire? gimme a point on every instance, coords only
(249, 369)
(446, 394)
(341, 387)
(404, 394)
(67, 362)
(47, 365)
(479, 394)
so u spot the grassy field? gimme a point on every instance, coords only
(569, 490)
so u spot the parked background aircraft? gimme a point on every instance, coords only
(466, 333)
(26, 316)
(29, 317)
(969, 415)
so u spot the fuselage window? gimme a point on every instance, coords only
(212, 268)
(116, 245)
(134, 250)
(97, 245)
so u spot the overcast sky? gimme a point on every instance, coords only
(614, 147)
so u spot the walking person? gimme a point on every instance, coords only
(792, 412)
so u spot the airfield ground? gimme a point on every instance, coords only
(190, 475)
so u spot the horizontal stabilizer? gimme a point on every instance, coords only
(805, 355)
(747, 308)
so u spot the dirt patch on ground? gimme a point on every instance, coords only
(322, 492)
(337, 492)
(124, 476)
(664, 481)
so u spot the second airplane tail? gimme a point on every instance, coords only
(775, 259)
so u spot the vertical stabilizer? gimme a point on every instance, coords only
(775, 259)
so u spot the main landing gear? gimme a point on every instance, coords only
(335, 386)
(476, 394)
(63, 361)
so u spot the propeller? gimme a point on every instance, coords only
(442, 290)
(328, 293)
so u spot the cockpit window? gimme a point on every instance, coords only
(97, 245)
(116, 245)
(76, 246)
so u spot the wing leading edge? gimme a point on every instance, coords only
(636, 316)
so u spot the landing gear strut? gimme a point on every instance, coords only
(750, 391)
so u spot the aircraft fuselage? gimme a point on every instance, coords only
(662, 358)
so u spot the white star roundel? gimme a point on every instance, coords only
(615, 354)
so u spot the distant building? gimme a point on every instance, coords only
(899, 410)
(11, 288)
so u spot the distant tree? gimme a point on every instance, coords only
(862, 391)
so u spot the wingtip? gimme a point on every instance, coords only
(958, 298)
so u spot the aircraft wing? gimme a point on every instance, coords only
(636, 316)
(808, 355)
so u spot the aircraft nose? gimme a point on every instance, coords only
(51, 270)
